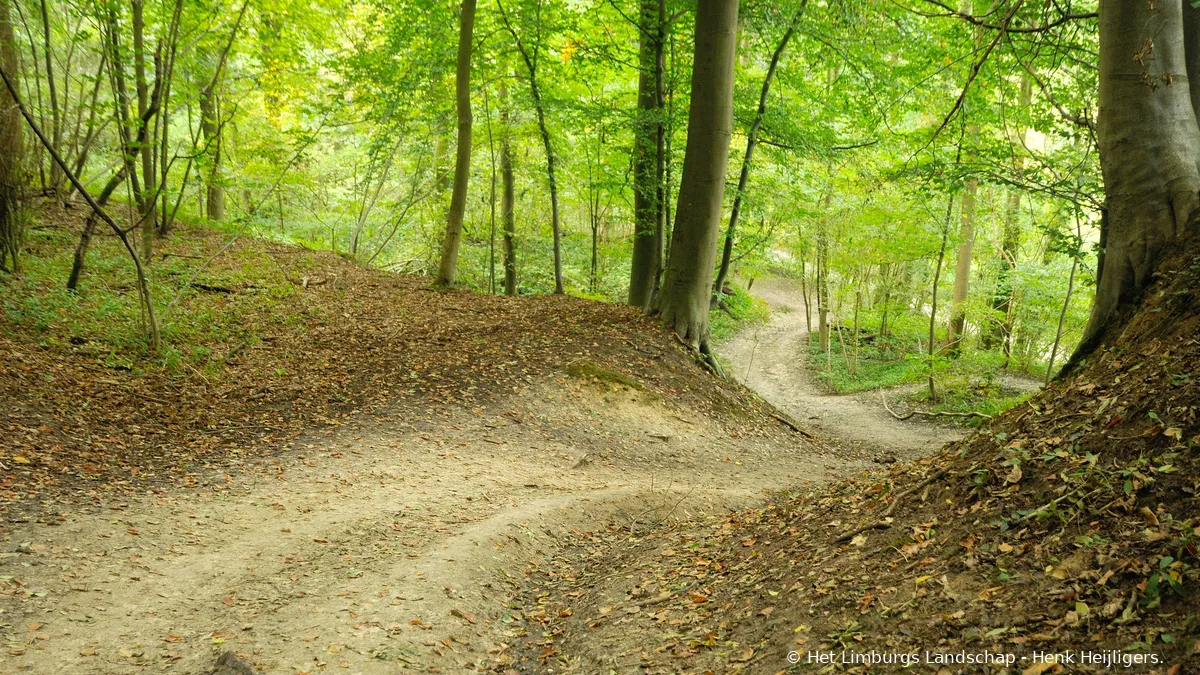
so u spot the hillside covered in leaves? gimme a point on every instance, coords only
(270, 343)
(1068, 525)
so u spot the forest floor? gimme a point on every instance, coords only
(357, 479)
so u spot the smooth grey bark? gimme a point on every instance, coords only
(747, 159)
(682, 304)
(448, 268)
(648, 159)
(1149, 149)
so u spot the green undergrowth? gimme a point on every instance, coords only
(971, 382)
(203, 304)
(736, 313)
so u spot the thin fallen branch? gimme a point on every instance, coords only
(790, 424)
(927, 413)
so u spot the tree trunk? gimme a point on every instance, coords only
(962, 269)
(146, 205)
(751, 144)
(56, 113)
(647, 161)
(507, 199)
(462, 163)
(933, 306)
(89, 228)
(12, 151)
(1149, 147)
(823, 277)
(683, 301)
(1002, 300)
(210, 128)
(555, 223)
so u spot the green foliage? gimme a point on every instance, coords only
(103, 319)
(737, 312)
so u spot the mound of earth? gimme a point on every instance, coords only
(308, 340)
(354, 478)
(1069, 526)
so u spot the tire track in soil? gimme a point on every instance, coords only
(393, 547)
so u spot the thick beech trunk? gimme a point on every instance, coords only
(462, 163)
(683, 302)
(1149, 149)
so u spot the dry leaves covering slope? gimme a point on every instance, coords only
(1070, 523)
(268, 343)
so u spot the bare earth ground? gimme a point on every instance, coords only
(394, 546)
(770, 359)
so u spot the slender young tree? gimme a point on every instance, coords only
(683, 302)
(1002, 299)
(962, 269)
(508, 195)
(12, 152)
(531, 64)
(748, 157)
(462, 163)
(210, 128)
(145, 149)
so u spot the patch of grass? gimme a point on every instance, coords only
(103, 318)
(962, 392)
(590, 371)
(741, 310)
(969, 383)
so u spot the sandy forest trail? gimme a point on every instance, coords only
(400, 544)
(771, 359)
(391, 547)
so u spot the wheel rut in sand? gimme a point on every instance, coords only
(393, 547)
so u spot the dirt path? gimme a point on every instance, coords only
(393, 548)
(771, 360)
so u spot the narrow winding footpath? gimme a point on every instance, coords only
(771, 359)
